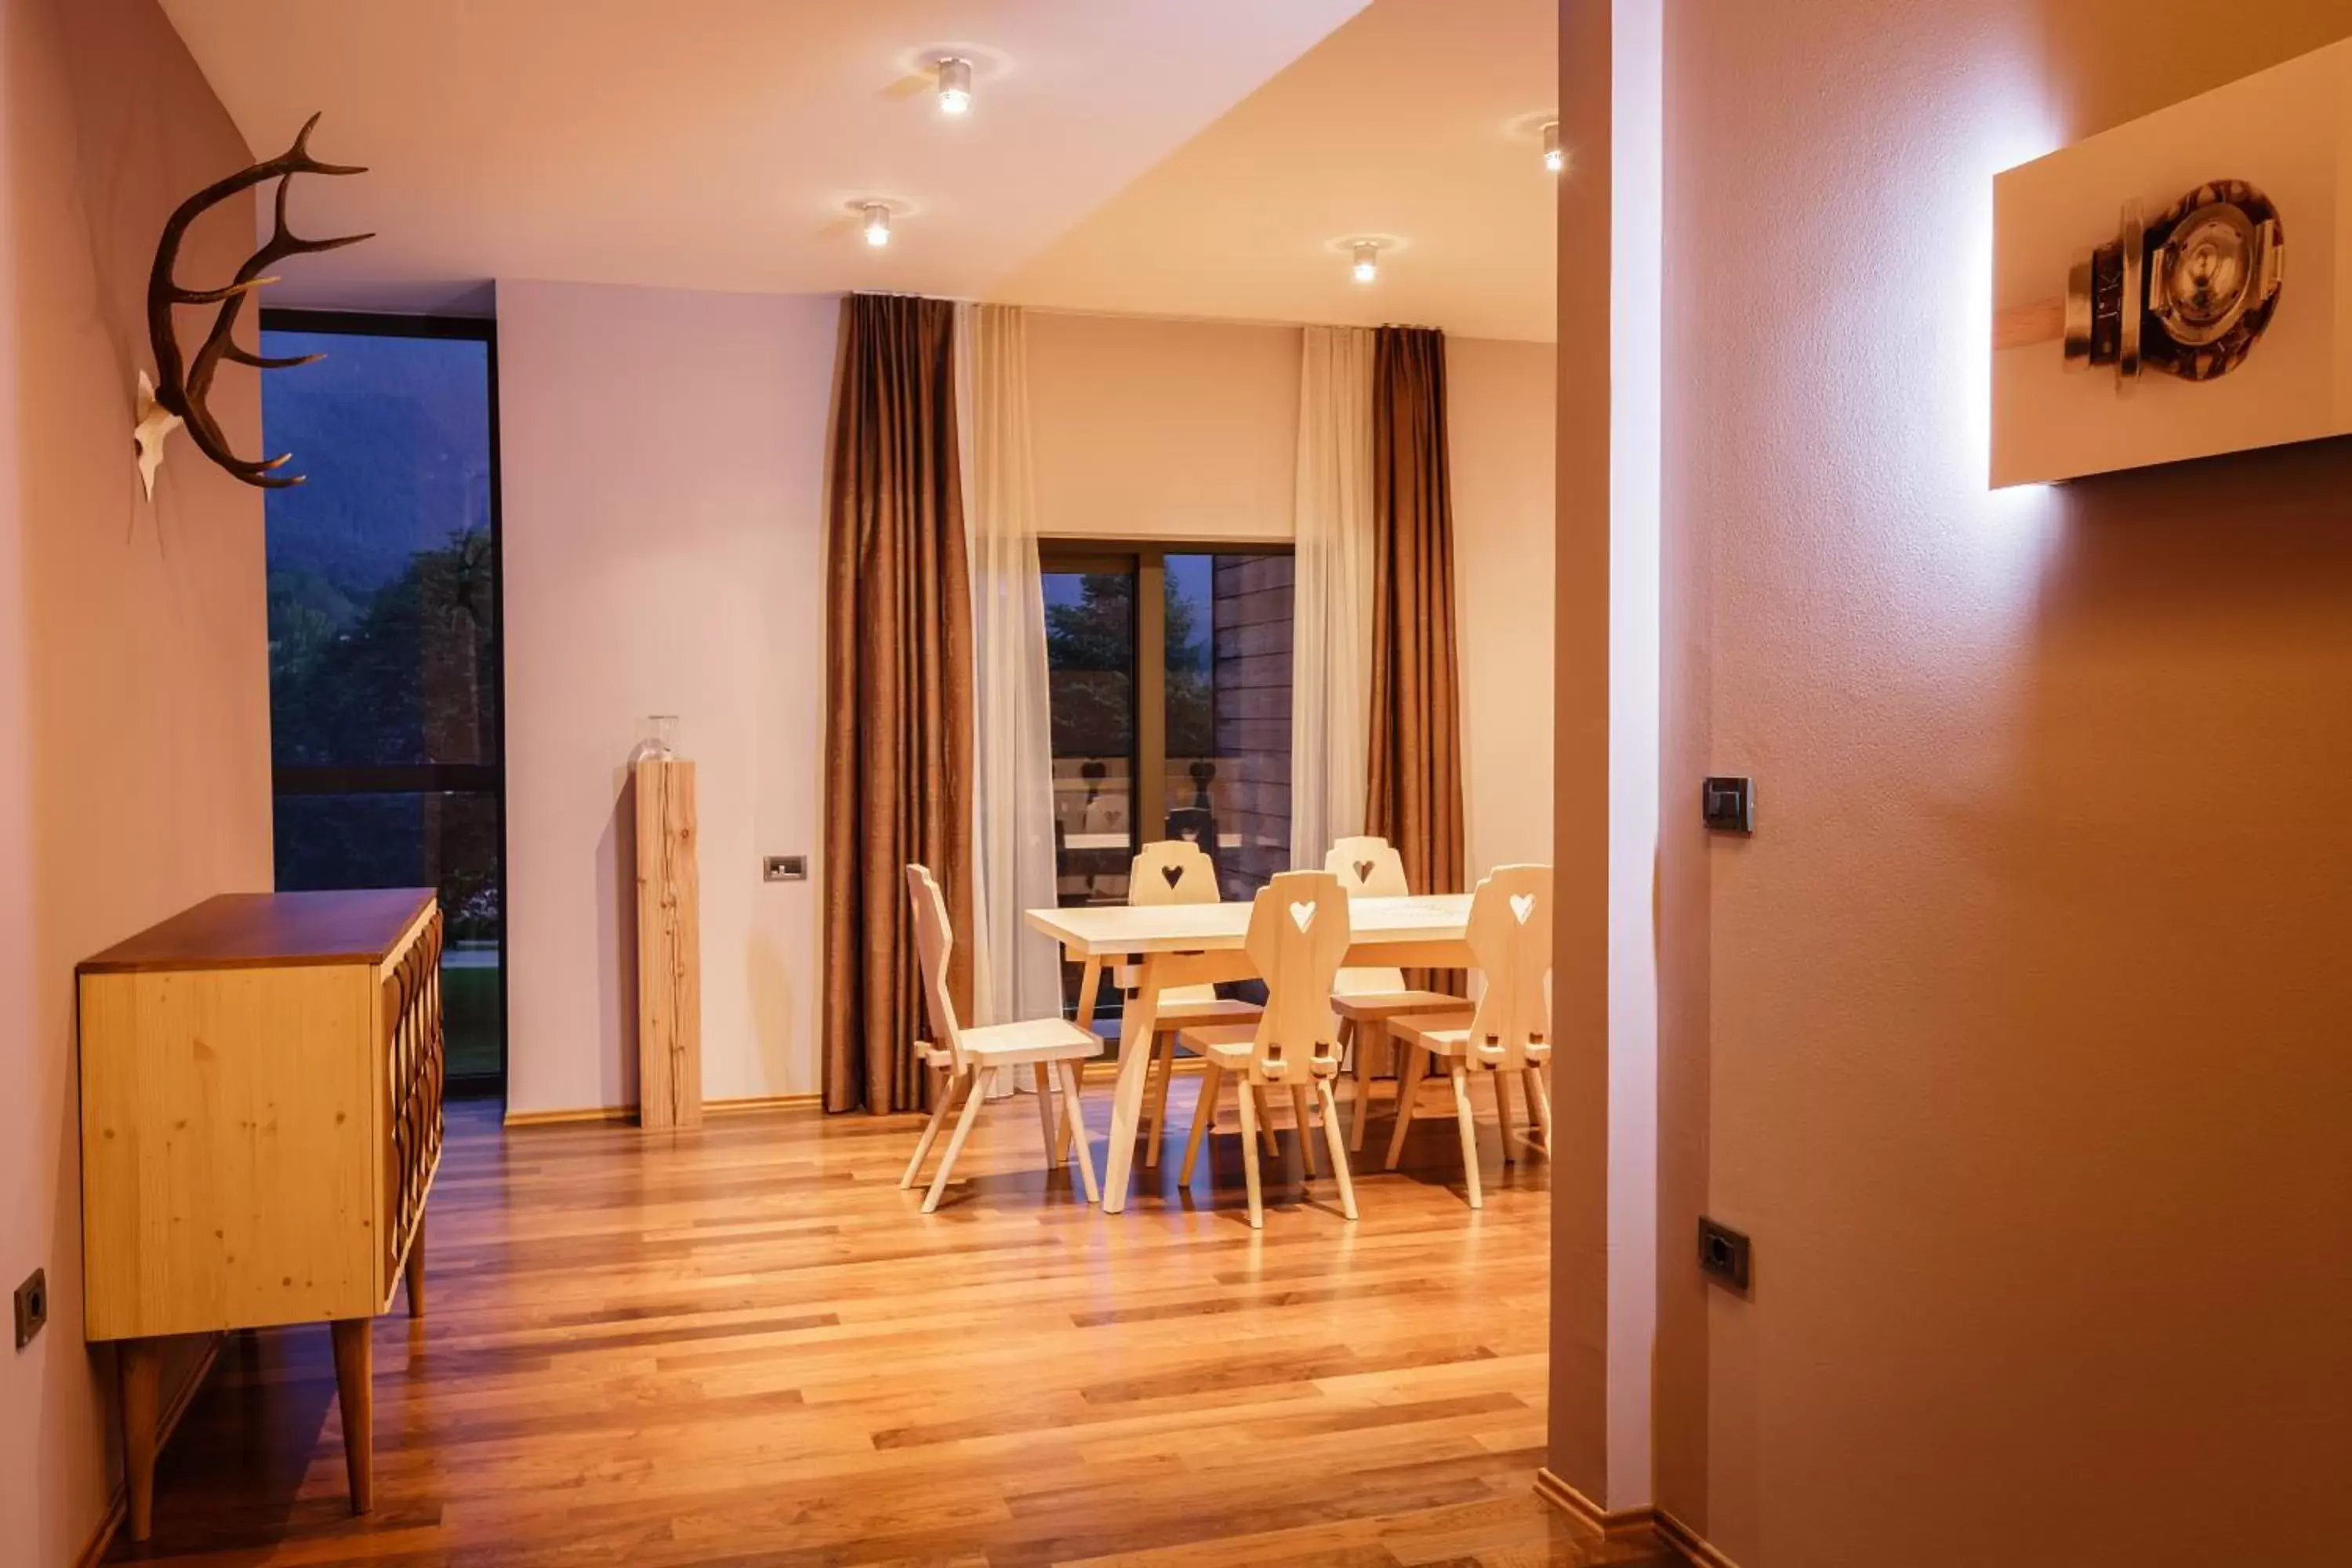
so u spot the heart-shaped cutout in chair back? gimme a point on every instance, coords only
(1174, 874)
(1522, 906)
(1302, 915)
(1364, 871)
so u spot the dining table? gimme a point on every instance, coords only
(1155, 947)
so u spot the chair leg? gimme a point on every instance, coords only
(1074, 1116)
(974, 1097)
(1363, 1038)
(1205, 1112)
(1539, 1104)
(1332, 1136)
(1503, 1118)
(1265, 1138)
(1156, 1118)
(1250, 1126)
(942, 1102)
(1416, 1063)
(1042, 1077)
(1302, 1108)
(1469, 1121)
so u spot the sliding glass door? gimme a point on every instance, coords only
(1170, 671)
(384, 677)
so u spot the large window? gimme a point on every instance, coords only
(384, 636)
(1170, 689)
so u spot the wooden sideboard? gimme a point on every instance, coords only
(261, 1081)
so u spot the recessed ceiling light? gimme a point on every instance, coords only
(1368, 261)
(955, 85)
(877, 225)
(1554, 158)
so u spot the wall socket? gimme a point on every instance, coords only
(1725, 1254)
(32, 1305)
(785, 869)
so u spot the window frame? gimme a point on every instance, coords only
(1147, 559)
(432, 778)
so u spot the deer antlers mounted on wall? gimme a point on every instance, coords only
(186, 382)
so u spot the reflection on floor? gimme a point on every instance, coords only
(744, 1344)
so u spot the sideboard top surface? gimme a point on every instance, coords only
(236, 931)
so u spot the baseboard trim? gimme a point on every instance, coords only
(1695, 1547)
(588, 1113)
(118, 1501)
(1613, 1524)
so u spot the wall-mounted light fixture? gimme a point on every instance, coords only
(1368, 261)
(955, 85)
(877, 224)
(1554, 159)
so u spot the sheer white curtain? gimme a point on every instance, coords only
(1330, 699)
(1016, 973)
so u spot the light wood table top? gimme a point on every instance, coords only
(1096, 931)
(234, 930)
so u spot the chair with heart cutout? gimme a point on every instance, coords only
(1175, 871)
(1510, 1030)
(1299, 932)
(1367, 1000)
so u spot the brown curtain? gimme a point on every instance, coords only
(899, 697)
(1413, 796)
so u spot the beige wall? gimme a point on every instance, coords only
(1500, 429)
(1185, 430)
(663, 466)
(133, 663)
(2017, 1036)
(1157, 429)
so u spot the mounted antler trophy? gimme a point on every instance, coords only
(180, 400)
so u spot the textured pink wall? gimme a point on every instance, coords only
(133, 665)
(2017, 1036)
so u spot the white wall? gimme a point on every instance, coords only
(663, 457)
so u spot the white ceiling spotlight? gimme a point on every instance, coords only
(955, 85)
(1368, 261)
(1554, 158)
(877, 224)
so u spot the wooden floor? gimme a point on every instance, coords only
(744, 1345)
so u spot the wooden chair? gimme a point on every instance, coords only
(1510, 1028)
(1175, 871)
(1050, 1047)
(1298, 935)
(1367, 1000)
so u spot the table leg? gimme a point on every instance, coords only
(355, 1392)
(139, 1367)
(1090, 975)
(1137, 1024)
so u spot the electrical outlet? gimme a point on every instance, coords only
(1728, 805)
(785, 869)
(1725, 1254)
(32, 1305)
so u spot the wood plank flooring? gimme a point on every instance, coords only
(742, 1344)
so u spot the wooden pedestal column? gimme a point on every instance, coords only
(669, 947)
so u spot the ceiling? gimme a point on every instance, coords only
(1201, 158)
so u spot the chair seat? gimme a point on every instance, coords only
(1446, 1036)
(1228, 1043)
(1380, 1006)
(1017, 1044)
